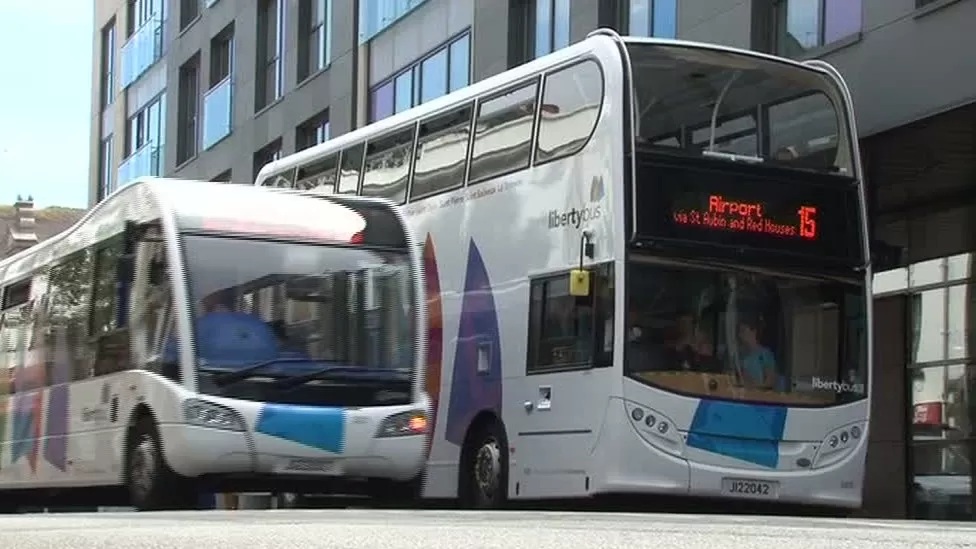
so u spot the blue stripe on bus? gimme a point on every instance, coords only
(315, 426)
(748, 432)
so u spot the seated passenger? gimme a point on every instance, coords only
(758, 362)
(689, 349)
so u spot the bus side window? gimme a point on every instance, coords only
(152, 309)
(442, 153)
(503, 133)
(563, 329)
(571, 103)
(69, 290)
(350, 166)
(109, 337)
(388, 165)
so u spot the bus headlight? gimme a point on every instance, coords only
(403, 424)
(212, 415)
(837, 444)
(656, 428)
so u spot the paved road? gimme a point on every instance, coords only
(365, 529)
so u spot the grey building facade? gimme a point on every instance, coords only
(213, 89)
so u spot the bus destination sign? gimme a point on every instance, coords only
(811, 215)
(722, 213)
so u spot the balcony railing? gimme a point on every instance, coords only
(376, 15)
(218, 112)
(145, 161)
(142, 50)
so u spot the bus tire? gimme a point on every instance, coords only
(150, 483)
(484, 468)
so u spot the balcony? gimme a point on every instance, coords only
(144, 161)
(142, 50)
(218, 112)
(376, 15)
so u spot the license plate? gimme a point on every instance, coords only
(314, 466)
(741, 487)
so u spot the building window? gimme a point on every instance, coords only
(146, 127)
(376, 15)
(108, 64)
(221, 55)
(189, 11)
(804, 25)
(551, 26)
(942, 381)
(313, 131)
(188, 110)
(105, 169)
(218, 112)
(446, 69)
(140, 12)
(223, 177)
(144, 143)
(651, 18)
(270, 76)
(315, 36)
(268, 154)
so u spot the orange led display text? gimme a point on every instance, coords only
(724, 213)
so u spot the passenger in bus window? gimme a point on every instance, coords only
(690, 350)
(758, 362)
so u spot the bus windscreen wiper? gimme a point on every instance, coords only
(226, 378)
(357, 373)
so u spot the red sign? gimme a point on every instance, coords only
(928, 413)
(750, 217)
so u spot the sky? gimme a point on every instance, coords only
(45, 102)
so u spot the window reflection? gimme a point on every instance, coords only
(652, 18)
(928, 325)
(382, 102)
(756, 337)
(404, 91)
(433, 76)
(942, 487)
(460, 60)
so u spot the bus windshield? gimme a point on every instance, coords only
(746, 335)
(289, 310)
(698, 101)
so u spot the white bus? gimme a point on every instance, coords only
(189, 337)
(647, 272)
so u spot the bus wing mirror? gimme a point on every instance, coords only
(579, 283)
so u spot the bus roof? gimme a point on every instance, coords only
(191, 204)
(598, 39)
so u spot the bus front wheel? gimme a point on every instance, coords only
(484, 482)
(151, 484)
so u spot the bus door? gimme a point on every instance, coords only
(568, 380)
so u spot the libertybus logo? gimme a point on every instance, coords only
(837, 386)
(573, 217)
(576, 217)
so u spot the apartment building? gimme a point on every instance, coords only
(214, 89)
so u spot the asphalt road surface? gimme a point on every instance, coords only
(378, 529)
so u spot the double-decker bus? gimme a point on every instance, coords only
(647, 272)
(188, 337)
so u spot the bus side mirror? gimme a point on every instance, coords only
(579, 283)
(126, 267)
